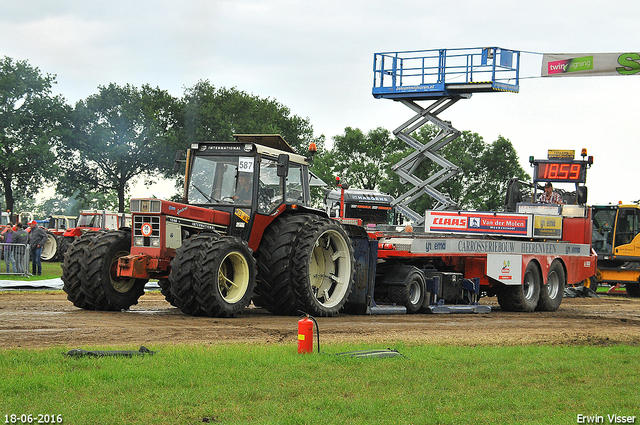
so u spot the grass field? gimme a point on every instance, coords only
(272, 384)
(50, 270)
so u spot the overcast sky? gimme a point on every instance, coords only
(316, 57)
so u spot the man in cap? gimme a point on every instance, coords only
(37, 238)
(549, 196)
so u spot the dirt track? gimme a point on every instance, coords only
(36, 320)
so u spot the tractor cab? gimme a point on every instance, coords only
(254, 174)
(616, 231)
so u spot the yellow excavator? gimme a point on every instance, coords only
(616, 239)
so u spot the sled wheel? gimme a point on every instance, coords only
(522, 297)
(551, 294)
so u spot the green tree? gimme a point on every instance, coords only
(363, 160)
(368, 162)
(34, 126)
(499, 163)
(218, 114)
(322, 168)
(73, 205)
(121, 133)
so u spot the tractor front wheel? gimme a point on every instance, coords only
(180, 288)
(73, 259)
(226, 277)
(103, 289)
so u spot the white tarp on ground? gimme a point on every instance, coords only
(50, 284)
(31, 284)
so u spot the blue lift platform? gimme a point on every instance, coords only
(442, 76)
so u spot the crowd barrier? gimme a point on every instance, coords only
(14, 259)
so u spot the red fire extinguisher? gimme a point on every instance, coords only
(305, 335)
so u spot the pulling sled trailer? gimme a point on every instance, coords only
(526, 258)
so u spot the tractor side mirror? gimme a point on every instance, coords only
(581, 195)
(283, 165)
(179, 159)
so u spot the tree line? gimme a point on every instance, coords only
(93, 151)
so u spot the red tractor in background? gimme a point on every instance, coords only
(87, 221)
(55, 228)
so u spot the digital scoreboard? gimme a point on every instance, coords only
(560, 171)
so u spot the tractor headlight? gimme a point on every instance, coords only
(155, 242)
(138, 241)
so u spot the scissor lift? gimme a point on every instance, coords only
(443, 76)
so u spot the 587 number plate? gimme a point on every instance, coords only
(245, 164)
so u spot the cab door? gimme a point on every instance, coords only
(626, 240)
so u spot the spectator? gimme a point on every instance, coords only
(20, 238)
(549, 196)
(5, 229)
(7, 238)
(37, 238)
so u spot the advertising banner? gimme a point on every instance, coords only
(585, 64)
(506, 269)
(547, 227)
(469, 222)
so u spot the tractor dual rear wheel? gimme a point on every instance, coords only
(323, 267)
(274, 291)
(305, 263)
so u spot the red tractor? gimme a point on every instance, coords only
(90, 221)
(55, 246)
(244, 231)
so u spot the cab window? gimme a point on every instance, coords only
(270, 190)
(294, 190)
(627, 227)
